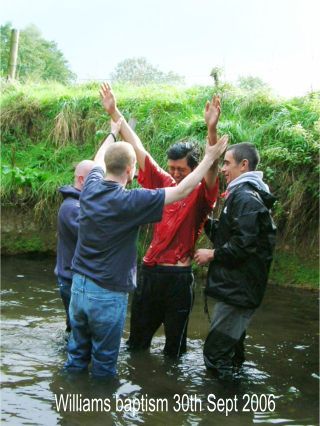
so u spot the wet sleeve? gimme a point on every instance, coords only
(153, 176)
(210, 228)
(211, 195)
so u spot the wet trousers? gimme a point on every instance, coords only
(97, 318)
(164, 296)
(65, 293)
(224, 346)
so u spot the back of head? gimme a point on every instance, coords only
(84, 168)
(185, 149)
(81, 172)
(245, 151)
(118, 157)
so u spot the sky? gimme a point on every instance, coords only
(276, 40)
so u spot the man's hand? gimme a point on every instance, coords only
(203, 256)
(116, 126)
(215, 151)
(108, 99)
(212, 113)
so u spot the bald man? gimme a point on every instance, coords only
(68, 223)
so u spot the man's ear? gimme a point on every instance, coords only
(81, 181)
(245, 165)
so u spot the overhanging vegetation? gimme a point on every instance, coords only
(46, 129)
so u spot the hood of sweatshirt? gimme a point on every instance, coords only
(70, 191)
(255, 179)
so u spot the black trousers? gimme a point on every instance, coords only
(164, 296)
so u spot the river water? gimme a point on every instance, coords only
(279, 383)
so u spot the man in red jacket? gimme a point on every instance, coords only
(165, 291)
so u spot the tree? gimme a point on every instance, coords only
(139, 72)
(251, 83)
(216, 73)
(38, 59)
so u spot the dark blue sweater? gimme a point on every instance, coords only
(109, 221)
(68, 225)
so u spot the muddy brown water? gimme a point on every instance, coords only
(279, 383)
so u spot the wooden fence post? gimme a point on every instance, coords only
(13, 54)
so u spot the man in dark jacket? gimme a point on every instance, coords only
(243, 240)
(68, 223)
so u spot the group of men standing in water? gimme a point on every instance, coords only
(98, 225)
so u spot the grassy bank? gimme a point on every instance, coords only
(46, 129)
(292, 269)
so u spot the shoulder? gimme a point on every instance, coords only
(154, 175)
(143, 205)
(244, 196)
(69, 204)
(69, 208)
(97, 173)
(141, 194)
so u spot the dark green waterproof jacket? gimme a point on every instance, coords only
(243, 239)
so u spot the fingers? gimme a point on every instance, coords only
(115, 127)
(213, 107)
(215, 99)
(220, 146)
(105, 89)
(199, 261)
(197, 258)
(117, 124)
(105, 86)
(224, 142)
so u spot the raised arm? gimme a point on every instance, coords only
(110, 105)
(191, 181)
(111, 138)
(211, 116)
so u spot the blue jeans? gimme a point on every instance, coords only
(97, 317)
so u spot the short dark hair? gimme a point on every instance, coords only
(245, 151)
(185, 149)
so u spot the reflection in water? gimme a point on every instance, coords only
(278, 384)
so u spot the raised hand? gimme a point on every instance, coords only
(108, 99)
(212, 112)
(116, 126)
(215, 151)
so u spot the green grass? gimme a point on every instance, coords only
(48, 128)
(289, 269)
